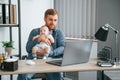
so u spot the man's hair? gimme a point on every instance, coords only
(50, 12)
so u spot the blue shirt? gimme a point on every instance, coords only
(57, 48)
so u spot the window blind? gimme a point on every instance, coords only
(76, 17)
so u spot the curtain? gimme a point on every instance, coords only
(76, 17)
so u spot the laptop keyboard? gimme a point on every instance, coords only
(57, 61)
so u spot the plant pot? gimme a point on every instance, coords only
(8, 50)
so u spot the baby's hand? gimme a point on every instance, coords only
(46, 49)
(41, 38)
(44, 39)
(33, 38)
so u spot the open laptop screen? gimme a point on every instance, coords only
(76, 51)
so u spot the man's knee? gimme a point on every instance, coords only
(25, 76)
(54, 76)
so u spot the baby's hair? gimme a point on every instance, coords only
(43, 26)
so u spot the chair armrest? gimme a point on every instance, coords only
(24, 57)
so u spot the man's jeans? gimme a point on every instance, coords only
(50, 76)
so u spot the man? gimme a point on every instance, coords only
(57, 48)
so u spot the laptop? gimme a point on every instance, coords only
(75, 52)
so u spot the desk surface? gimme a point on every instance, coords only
(42, 67)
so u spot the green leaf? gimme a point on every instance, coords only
(8, 44)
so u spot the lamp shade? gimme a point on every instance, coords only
(102, 33)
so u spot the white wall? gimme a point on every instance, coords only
(32, 12)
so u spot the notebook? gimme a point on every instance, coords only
(75, 52)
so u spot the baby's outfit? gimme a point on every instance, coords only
(43, 45)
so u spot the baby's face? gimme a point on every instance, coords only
(44, 30)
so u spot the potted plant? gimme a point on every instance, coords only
(8, 45)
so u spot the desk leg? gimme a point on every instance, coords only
(0, 77)
(11, 77)
(102, 74)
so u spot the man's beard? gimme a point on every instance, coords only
(52, 27)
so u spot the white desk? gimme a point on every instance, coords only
(42, 67)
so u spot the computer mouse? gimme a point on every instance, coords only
(30, 62)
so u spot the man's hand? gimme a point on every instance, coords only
(39, 39)
(41, 53)
(46, 49)
(43, 39)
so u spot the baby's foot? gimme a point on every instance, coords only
(34, 56)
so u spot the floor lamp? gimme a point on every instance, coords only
(102, 34)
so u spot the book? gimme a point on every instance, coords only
(8, 14)
(5, 13)
(12, 14)
(1, 14)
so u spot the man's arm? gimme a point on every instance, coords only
(35, 37)
(58, 45)
(30, 42)
(51, 38)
